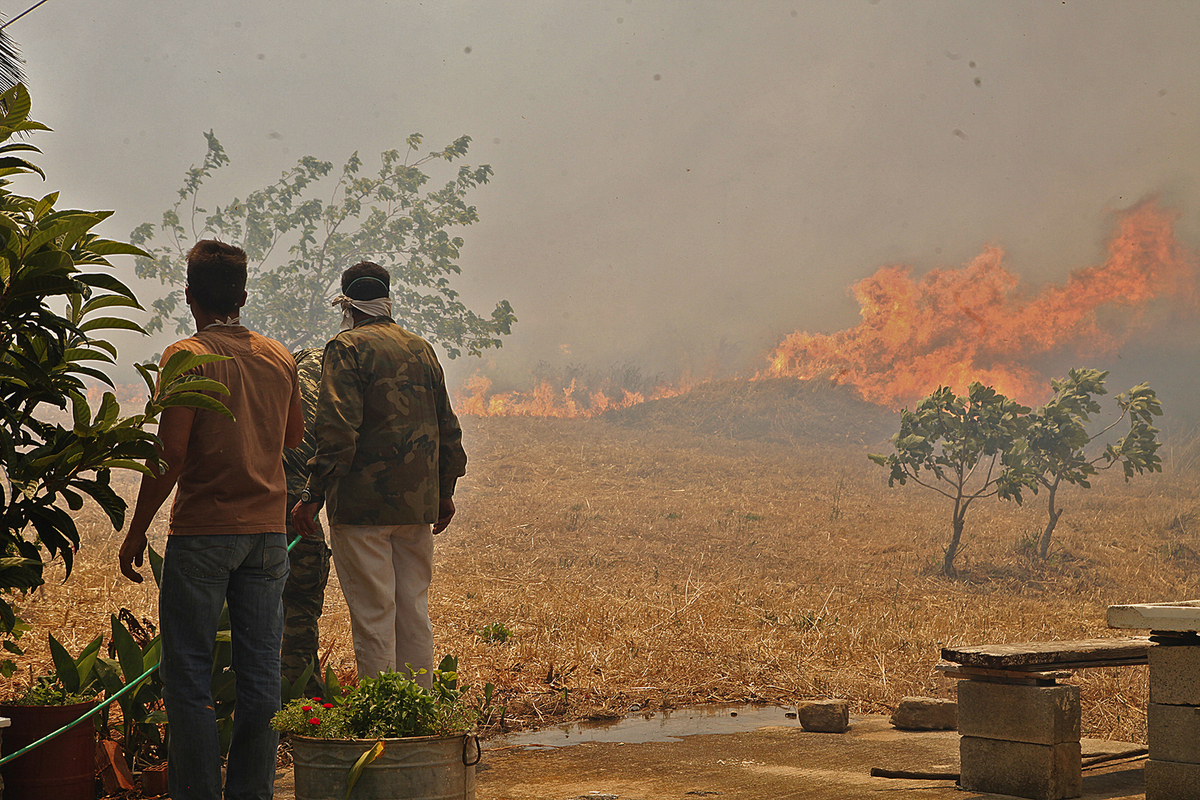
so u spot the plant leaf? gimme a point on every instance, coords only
(64, 665)
(363, 761)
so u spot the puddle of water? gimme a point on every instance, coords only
(657, 726)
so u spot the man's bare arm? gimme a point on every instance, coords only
(174, 430)
(293, 435)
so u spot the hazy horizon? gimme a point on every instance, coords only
(675, 183)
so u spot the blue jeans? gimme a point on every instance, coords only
(200, 574)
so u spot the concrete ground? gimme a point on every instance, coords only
(776, 762)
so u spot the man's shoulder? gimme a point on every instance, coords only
(268, 342)
(383, 334)
(191, 345)
(308, 355)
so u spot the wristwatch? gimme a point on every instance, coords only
(308, 497)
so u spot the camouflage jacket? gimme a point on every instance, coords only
(295, 459)
(388, 444)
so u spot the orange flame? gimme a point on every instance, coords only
(545, 400)
(948, 328)
(978, 323)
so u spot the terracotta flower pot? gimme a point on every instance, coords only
(154, 780)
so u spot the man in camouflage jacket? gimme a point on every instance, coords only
(304, 593)
(389, 453)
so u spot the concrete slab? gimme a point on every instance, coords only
(1182, 616)
(776, 762)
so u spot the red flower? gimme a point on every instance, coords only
(327, 705)
(306, 708)
(314, 721)
(316, 699)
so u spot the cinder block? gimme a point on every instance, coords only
(925, 714)
(1033, 714)
(1037, 771)
(825, 716)
(1171, 780)
(1173, 732)
(1175, 675)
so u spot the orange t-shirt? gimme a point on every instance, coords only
(232, 479)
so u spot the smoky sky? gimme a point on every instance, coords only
(675, 182)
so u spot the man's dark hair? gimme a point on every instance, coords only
(366, 280)
(216, 275)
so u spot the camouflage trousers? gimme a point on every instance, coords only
(303, 601)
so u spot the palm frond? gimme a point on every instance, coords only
(11, 72)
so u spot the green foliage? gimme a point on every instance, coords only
(83, 677)
(363, 761)
(494, 633)
(295, 691)
(45, 356)
(133, 670)
(963, 448)
(985, 445)
(1058, 437)
(10, 643)
(315, 717)
(298, 245)
(48, 690)
(73, 680)
(392, 705)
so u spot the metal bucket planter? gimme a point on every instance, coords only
(412, 768)
(63, 768)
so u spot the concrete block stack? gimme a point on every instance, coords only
(1173, 721)
(1020, 740)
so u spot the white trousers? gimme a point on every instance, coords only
(384, 572)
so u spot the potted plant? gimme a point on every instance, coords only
(388, 737)
(63, 768)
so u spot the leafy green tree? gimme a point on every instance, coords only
(1058, 438)
(47, 466)
(963, 448)
(298, 245)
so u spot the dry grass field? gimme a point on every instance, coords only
(735, 544)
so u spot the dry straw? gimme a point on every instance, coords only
(674, 555)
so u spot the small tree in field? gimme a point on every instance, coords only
(47, 467)
(1058, 437)
(298, 245)
(963, 448)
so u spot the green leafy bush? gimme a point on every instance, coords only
(48, 690)
(390, 706)
(314, 716)
(494, 633)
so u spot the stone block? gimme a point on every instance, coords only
(925, 714)
(1021, 769)
(1033, 714)
(825, 716)
(1173, 732)
(1175, 675)
(1171, 780)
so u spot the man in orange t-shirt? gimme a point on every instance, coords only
(226, 541)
